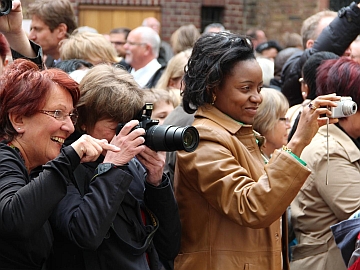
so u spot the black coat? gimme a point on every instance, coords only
(26, 203)
(335, 38)
(104, 228)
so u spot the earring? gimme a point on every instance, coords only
(18, 128)
(214, 99)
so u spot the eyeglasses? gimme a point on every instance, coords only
(286, 119)
(61, 116)
(135, 43)
(118, 43)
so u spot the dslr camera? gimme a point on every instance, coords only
(345, 107)
(165, 137)
(5, 7)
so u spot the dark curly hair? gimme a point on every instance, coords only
(213, 58)
(309, 70)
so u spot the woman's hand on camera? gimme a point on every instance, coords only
(89, 148)
(154, 163)
(130, 143)
(312, 117)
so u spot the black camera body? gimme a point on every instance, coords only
(5, 7)
(165, 137)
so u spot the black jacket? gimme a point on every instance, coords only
(26, 203)
(335, 38)
(103, 229)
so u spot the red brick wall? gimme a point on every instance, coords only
(275, 17)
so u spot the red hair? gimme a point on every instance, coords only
(340, 76)
(24, 90)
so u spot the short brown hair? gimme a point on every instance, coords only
(108, 92)
(310, 25)
(155, 95)
(53, 13)
(92, 47)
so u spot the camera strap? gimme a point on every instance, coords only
(327, 150)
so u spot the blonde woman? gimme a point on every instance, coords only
(184, 38)
(270, 121)
(92, 47)
(174, 72)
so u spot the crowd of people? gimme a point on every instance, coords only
(273, 182)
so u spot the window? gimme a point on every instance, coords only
(211, 15)
(338, 4)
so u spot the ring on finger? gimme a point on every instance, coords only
(312, 106)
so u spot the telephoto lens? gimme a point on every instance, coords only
(5, 7)
(172, 138)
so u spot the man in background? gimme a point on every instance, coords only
(51, 22)
(118, 38)
(323, 31)
(257, 36)
(142, 50)
(214, 28)
(166, 52)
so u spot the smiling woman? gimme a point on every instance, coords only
(36, 116)
(239, 200)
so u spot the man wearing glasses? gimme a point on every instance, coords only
(142, 50)
(118, 38)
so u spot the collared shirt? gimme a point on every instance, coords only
(143, 75)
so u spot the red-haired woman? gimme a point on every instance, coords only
(331, 192)
(36, 116)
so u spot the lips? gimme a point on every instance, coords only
(251, 110)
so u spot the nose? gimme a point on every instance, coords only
(68, 125)
(256, 98)
(32, 36)
(126, 46)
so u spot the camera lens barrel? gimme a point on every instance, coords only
(172, 138)
(5, 7)
(349, 108)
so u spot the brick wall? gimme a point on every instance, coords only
(275, 17)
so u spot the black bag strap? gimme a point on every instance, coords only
(140, 250)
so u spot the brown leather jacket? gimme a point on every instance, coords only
(230, 209)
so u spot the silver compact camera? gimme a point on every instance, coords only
(345, 107)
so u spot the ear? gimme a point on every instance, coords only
(62, 31)
(172, 83)
(17, 122)
(310, 43)
(148, 49)
(6, 62)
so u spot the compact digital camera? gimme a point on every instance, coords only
(5, 7)
(345, 107)
(165, 137)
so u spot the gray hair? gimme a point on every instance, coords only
(149, 36)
